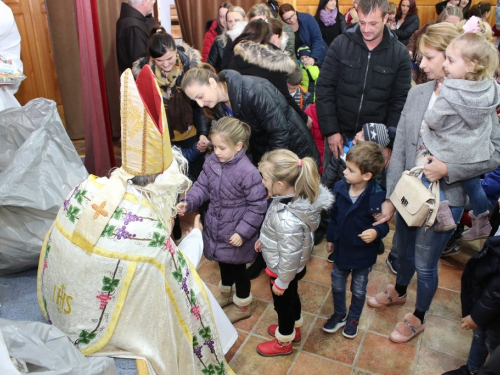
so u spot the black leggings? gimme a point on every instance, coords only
(288, 305)
(236, 274)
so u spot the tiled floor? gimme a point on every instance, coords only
(442, 346)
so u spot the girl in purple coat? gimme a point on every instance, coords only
(233, 186)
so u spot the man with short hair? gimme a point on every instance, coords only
(365, 78)
(132, 31)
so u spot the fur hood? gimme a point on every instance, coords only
(265, 56)
(306, 210)
(190, 57)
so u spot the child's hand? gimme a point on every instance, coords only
(196, 225)
(257, 246)
(309, 122)
(181, 208)
(368, 235)
(277, 291)
(468, 323)
(329, 247)
(235, 240)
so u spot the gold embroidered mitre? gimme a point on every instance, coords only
(146, 146)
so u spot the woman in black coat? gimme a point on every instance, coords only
(255, 55)
(257, 102)
(331, 22)
(407, 21)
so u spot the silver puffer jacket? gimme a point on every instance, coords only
(287, 234)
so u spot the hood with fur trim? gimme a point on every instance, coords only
(265, 56)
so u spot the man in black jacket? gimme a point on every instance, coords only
(365, 78)
(132, 31)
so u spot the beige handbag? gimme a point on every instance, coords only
(416, 203)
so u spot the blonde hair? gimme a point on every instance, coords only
(476, 49)
(368, 157)
(302, 174)
(392, 9)
(259, 10)
(232, 131)
(438, 37)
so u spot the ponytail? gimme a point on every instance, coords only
(302, 174)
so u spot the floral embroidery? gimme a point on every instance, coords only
(109, 284)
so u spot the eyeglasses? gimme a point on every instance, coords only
(290, 18)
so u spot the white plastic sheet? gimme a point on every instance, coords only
(46, 350)
(38, 167)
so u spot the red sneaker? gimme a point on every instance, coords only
(273, 327)
(274, 348)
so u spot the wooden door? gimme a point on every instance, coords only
(36, 53)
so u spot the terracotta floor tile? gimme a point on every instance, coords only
(379, 355)
(431, 362)
(261, 288)
(312, 296)
(248, 362)
(445, 336)
(258, 308)
(209, 272)
(388, 240)
(375, 281)
(319, 271)
(308, 364)
(242, 336)
(446, 304)
(381, 265)
(332, 346)
(450, 277)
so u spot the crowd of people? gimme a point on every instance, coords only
(296, 126)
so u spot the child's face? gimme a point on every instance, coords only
(455, 66)
(303, 59)
(222, 149)
(292, 88)
(353, 175)
(268, 183)
(392, 18)
(359, 137)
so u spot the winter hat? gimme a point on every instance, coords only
(304, 51)
(376, 133)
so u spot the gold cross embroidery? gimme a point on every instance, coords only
(99, 210)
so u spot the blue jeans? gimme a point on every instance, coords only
(419, 250)
(483, 342)
(427, 183)
(359, 279)
(479, 201)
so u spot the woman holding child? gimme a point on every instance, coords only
(419, 249)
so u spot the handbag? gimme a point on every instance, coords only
(416, 204)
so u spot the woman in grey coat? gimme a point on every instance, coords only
(419, 249)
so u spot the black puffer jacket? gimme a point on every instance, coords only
(481, 286)
(273, 122)
(357, 86)
(269, 62)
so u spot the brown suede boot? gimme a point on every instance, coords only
(240, 310)
(481, 227)
(444, 218)
(226, 295)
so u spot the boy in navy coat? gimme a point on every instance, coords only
(358, 196)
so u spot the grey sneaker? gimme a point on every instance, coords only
(451, 250)
(392, 262)
(330, 258)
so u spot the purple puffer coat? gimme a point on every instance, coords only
(237, 205)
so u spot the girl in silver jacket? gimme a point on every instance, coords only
(287, 238)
